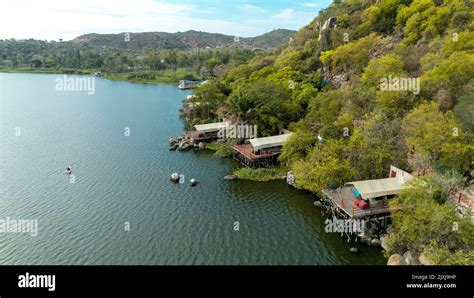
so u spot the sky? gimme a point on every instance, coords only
(67, 19)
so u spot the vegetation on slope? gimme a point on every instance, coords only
(331, 81)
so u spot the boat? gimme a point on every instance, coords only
(68, 170)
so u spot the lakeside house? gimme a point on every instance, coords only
(260, 152)
(206, 132)
(368, 198)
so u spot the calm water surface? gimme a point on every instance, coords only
(126, 179)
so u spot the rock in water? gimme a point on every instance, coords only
(365, 240)
(396, 260)
(318, 204)
(290, 178)
(375, 242)
(193, 182)
(175, 177)
(231, 177)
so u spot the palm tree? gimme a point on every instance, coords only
(243, 106)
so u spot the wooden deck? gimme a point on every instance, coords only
(343, 198)
(247, 151)
(245, 155)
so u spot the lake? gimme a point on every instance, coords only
(122, 207)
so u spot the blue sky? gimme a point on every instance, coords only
(54, 19)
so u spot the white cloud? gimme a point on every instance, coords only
(252, 8)
(285, 14)
(313, 5)
(53, 19)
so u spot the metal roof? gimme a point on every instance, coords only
(211, 127)
(379, 187)
(268, 142)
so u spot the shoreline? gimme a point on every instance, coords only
(160, 77)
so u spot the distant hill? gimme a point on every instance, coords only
(189, 40)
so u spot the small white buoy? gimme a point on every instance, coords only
(193, 182)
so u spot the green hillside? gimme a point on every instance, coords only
(143, 57)
(189, 40)
(386, 82)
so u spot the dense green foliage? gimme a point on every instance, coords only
(144, 57)
(424, 223)
(261, 174)
(220, 149)
(138, 66)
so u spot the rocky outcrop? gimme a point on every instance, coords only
(340, 81)
(328, 24)
(324, 30)
(396, 260)
(409, 258)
